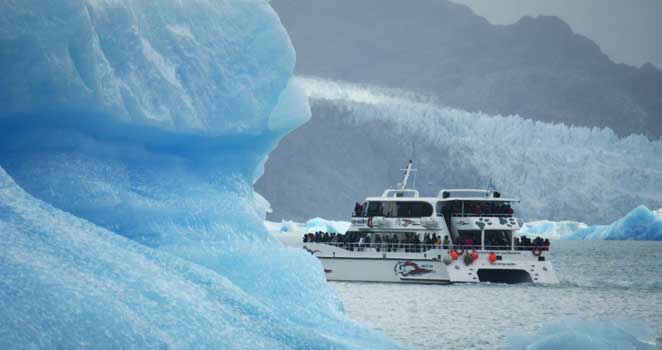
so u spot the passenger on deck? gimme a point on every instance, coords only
(546, 243)
(446, 242)
(358, 209)
(378, 243)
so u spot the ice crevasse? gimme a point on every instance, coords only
(131, 133)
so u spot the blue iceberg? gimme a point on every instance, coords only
(310, 226)
(587, 335)
(639, 224)
(551, 229)
(131, 133)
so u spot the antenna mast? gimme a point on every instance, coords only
(407, 171)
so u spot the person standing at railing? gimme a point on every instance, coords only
(378, 243)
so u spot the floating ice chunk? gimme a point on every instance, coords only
(310, 226)
(587, 335)
(323, 225)
(639, 224)
(551, 229)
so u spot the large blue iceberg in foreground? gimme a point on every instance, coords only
(67, 284)
(639, 224)
(131, 133)
(587, 335)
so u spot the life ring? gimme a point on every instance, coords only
(537, 250)
(460, 252)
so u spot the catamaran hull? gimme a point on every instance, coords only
(428, 267)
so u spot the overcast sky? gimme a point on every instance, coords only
(629, 31)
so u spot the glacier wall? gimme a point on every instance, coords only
(131, 133)
(360, 136)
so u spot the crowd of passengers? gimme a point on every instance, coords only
(500, 242)
(412, 242)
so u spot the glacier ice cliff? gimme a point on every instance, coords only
(131, 133)
(639, 224)
(359, 136)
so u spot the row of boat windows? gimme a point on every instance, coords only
(400, 209)
(423, 209)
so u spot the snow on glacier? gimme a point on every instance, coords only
(639, 224)
(131, 133)
(559, 172)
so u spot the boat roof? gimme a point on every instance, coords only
(404, 194)
(490, 199)
(437, 199)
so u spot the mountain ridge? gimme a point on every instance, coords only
(537, 67)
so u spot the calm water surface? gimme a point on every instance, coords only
(599, 280)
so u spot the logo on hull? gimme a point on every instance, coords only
(310, 250)
(409, 268)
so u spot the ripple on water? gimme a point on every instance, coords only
(599, 280)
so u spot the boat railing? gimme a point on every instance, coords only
(383, 247)
(423, 247)
(481, 214)
(460, 247)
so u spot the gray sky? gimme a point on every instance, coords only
(629, 31)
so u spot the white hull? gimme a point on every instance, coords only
(427, 267)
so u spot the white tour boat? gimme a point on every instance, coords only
(461, 235)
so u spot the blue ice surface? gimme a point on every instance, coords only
(639, 224)
(131, 133)
(574, 334)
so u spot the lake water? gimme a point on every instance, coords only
(619, 280)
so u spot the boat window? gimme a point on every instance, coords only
(469, 238)
(400, 209)
(498, 239)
